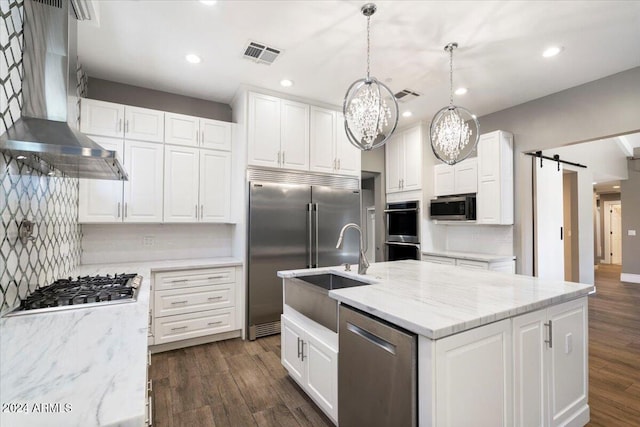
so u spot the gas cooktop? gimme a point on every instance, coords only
(82, 292)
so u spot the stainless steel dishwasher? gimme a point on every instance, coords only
(377, 372)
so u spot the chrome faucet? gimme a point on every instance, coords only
(363, 264)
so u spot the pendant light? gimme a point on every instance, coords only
(370, 108)
(454, 131)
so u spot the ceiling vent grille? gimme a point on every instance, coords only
(261, 53)
(406, 95)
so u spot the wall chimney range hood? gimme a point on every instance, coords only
(42, 138)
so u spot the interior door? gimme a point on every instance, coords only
(333, 209)
(278, 233)
(615, 232)
(548, 220)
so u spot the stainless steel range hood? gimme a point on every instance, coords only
(42, 137)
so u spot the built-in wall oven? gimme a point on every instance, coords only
(403, 230)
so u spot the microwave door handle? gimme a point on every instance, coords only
(401, 210)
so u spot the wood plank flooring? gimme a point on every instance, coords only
(242, 383)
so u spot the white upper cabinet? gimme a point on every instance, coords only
(461, 178)
(143, 194)
(495, 178)
(121, 121)
(264, 131)
(294, 140)
(101, 118)
(181, 184)
(196, 132)
(403, 161)
(100, 200)
(331, 151)
(215, 186)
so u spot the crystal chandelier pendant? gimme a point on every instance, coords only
(370, 108)
(454, 131)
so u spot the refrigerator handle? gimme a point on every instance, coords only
(316, 208)
(310, 240)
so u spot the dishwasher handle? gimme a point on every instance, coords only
(373, 339)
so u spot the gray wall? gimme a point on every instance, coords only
(105, 90)
(630, 198)
(373, 161)
(594, 110)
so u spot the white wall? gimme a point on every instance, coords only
(126, 242)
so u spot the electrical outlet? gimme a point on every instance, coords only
(631, 232)
(148, 241)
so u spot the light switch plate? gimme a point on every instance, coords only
(631, 232)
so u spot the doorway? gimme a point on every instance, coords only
(613, 232)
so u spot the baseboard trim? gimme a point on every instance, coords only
(630, 278)
(579, 418)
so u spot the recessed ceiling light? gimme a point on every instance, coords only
(192, 58)
(594, 183)
(286, 83)
(474, 116)
(407, 114)
(208, 2)
(551, 51)
(461, 91)
(616, 186)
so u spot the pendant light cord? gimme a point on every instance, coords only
(368, 46)
(451, 76)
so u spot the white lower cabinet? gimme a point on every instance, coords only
(195, 303)
(505, 266)
(551, 366)
(473, 377)
(312, 362)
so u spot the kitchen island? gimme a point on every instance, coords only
(493, 348)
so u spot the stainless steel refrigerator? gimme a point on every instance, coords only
(293, 226)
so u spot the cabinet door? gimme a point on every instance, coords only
(215, 134)
(215, 186)
(349, 157)
(294, 141)
(181, 184)
(101, 118)
(488, 202)
(321, 379)
(264, 130)
(466, 176)
(100, 200)
(489, 156)
(529, 379)
(412, 159)
(291, 337)
(323, 137)
(181, 130)
(143, 191)
(144, 124)
(392, 163)
(473, 372)
(443, 180)
(568, 364)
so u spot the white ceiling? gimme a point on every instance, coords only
(144, 43)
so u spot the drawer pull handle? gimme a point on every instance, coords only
(180, 281)
(214, 298)
(179, 302)
(179, 328)
(214, 323)
(216, 277)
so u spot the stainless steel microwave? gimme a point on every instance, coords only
(454, 208)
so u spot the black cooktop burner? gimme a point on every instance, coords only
(82, 290)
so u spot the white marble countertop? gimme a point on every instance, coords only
(473, 256)
(93, 360)
(436, 300)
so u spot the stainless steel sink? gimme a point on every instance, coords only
(309, 295)
(332, 281)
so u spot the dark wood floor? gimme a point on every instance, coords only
(235, 383)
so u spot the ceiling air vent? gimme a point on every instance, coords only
(406, 95)
(261, 53)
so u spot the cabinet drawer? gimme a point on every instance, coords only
(187, 279)
(479, 265)
(189, 300)
(192, 325)
(439, 260)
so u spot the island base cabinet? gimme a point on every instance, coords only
(312, 364)
(550, 366)
(473, 377)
